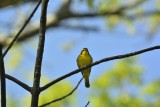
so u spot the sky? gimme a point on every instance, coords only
(57, 61)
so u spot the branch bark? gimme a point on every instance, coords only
(3, 80)
(96, 63)
(37, 71)
(20, 83)
(87, 104)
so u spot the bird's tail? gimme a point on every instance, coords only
(87, 82)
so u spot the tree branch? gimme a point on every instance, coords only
(79, 27)
(133, 16)
(37, 70)
(20, 31)
(64, 13)
(5, 3)
(3, 80)
(96, 63)
(63, 97)
(87, 104)
(20, 83)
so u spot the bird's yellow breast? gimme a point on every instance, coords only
(84, 59)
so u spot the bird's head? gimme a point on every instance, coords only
(84, 51)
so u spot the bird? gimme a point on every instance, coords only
(83, 60)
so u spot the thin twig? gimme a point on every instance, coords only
(63, 97)
(38, 64)
(3, 80)
(96, 63)
(87, 104)
(20, 31)
(20, 83)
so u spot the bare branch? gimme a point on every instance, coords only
(133, 16)
(20, 31)
(79, 27)
(3, 80)
(96, 63)
(5, 3)
(38, 64)
(132, 5)
(87, 104)
(20, 83)
(63, 97)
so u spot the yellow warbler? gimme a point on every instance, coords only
(85, 59)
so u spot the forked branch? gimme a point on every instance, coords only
(20, 83)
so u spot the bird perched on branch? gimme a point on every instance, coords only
(85, 59)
